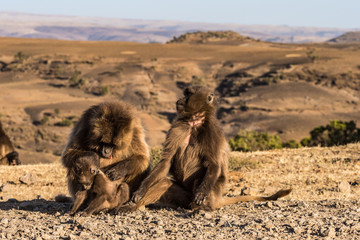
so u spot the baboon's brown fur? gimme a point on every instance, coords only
(89, 182)
(193, 170)
(8, 155)
(114, 132)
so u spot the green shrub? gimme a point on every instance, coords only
(20, 57)
(291, 144)
(335, 133)
(65, 123)
(44, 120)
(75, 79)
(253, 141)
(103, 90)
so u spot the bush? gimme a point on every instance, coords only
(75, 79)
(65, 123)
(335, 133)
(291, 144)
(44, 120)
(253, 141)
(103, 90)
(20, 57)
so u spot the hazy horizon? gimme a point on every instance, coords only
(320, 13)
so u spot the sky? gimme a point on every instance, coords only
(314, 13)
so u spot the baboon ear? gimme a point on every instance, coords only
(188, 91)
(210, 98)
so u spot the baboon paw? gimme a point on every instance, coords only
(137, 196)
(112, 174)
(124, 209)
(200, 198)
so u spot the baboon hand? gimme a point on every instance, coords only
(114, 174)
(200, 198)
(138, 195)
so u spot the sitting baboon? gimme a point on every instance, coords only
(193, 169)
(114, 132)
(8, 155)
(91, 184)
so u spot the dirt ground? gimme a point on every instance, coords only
(324, 202)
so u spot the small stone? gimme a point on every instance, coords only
(207, 216)
(344, 187)
(270, 190)
(27, 179)
(4, 221)
(269, 226)
(331, 233)
(269, 204)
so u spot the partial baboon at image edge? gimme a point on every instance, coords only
(193, 169)
(8, 154)
(113, 131)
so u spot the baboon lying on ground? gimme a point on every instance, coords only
(8, 155)
(91, 184)
(114, 132)
(193, 170)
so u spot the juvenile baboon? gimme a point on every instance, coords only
(114, 132)
(8, 155)
(89, 183)
(193, 170)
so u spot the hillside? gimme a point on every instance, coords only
(347, 38)
(287, 90)
(212, 37)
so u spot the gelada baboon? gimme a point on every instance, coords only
(91, 184)
(193, 170)
(114, 132)
(8, 155)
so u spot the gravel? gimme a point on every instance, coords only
(284, 219)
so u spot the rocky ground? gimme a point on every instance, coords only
(323, 205)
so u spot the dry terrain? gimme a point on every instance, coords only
(323, 205)
(288, 90)
(283, 89)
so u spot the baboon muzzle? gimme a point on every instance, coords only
(107, 152)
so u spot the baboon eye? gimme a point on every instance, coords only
(92, 170)
(210, 98)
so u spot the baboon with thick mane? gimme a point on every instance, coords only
(193, 169)
(8, 155)
(91, 184)
(114, 132)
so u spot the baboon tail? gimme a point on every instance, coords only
(62, 198)
(232, 200)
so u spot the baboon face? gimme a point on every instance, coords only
(13, 158)
(111, 132)
(197, 103)
(84, 171)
